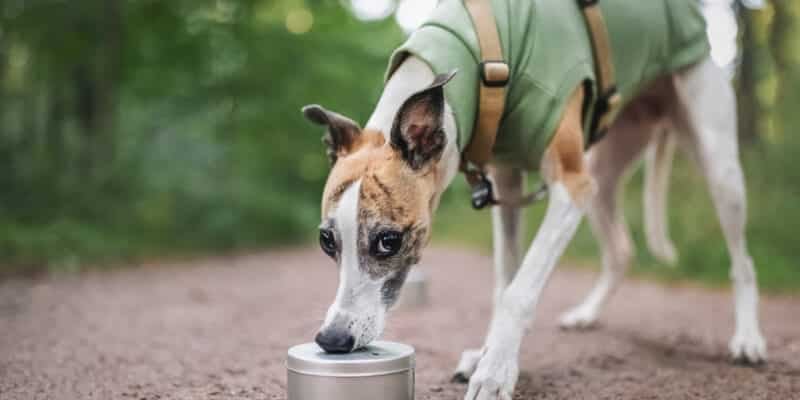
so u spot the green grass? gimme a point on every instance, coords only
(774, 215)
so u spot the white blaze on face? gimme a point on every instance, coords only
(358, 298)
(347, 225)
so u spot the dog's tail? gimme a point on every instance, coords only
(658, 165)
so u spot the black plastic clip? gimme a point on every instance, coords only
(482, 193)
(605, 104)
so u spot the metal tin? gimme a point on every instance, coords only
(415, 290)
(382, 370)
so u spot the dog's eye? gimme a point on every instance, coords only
(386, 244)
(327, 242)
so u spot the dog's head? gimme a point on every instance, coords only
(376, 210)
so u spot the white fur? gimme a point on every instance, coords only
(506, 227)
(656, 187)
(410, 77)
(497, 371)
(710, 105)
(506, 231)
(358, 298)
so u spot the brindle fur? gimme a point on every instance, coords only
(393, 196)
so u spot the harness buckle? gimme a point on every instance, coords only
(482, 193)
(494, 73)
(603, 112)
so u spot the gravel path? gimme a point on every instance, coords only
(219, 329)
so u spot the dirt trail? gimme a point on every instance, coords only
(220, 329)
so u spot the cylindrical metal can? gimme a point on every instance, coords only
(382, 370)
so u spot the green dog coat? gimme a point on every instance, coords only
(548, 47)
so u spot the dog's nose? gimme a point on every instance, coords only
(335, 341)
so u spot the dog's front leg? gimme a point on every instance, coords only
(506, 229)
(497, 370)
(571, 188)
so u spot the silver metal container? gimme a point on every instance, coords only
(415, 290)
(380, 371)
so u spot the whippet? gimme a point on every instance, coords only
(387, 178)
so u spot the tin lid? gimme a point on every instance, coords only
(379, 358)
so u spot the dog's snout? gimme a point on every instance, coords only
(335, 341)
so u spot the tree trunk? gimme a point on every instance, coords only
(54, 131)
(785, 43)
(86, 111)
(749, 107)
(109, 63)
(96, 86)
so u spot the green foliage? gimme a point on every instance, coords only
(142, 128)
(205, 146)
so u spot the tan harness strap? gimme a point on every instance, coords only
(608, 98)
(494, 73)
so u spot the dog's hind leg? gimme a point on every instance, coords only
(609, 160)
(709, 114)
(506, 230)
(658, 164)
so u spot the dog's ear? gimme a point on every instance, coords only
(341, 134)
(418, 129)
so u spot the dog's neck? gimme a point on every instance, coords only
(409, 78)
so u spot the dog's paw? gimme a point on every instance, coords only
(466, 366)
(494, 378)
(580, 317)
(748, 347)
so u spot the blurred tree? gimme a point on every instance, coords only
(785, 45)
(768, 71)
(752, 35)
(144, 127)
(147, 126)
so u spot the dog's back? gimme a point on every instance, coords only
(548, 46)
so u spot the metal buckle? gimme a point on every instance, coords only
(494, 73)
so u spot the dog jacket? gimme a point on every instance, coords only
(548, 47)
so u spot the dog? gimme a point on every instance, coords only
(387, 178)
